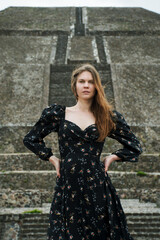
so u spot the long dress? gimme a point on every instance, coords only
(85, 203)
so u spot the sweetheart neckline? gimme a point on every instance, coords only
(83, 130)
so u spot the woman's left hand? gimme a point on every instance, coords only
(108, 160)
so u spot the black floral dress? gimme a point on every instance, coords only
(85, 203)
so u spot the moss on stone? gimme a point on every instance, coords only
(141, 173)
(33, 211)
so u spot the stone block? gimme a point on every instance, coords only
(20, 198)
(11, 230)
(144, 195)
(133, 49)
(82, 49)
(136, 91)
(122, 20)
(25, 49)
(21, 86)
(36, 18)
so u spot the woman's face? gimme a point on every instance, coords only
(85, 85)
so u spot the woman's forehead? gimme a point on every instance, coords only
(85, 75)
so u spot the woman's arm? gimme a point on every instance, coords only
(47, 123)
(124, 135)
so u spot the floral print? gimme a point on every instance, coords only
(85, 203)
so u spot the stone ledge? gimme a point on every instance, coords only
(29, 161)
(36, 198)
(47, 179)
(132, 208)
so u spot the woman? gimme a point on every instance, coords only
(85, 203)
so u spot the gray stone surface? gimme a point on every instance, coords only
(20, 198)
(82, 49)
(21, 86)
(136, 91)
(11, 231)
(122, 19)
(25, 49)
(143, 194)
(133, 49)
(22, 18)
(24, 65)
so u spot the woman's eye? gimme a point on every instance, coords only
(81, 81)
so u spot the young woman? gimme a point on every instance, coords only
(85, 203)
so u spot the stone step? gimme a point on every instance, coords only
(37, 232)
(34, 235)
(29, 161)
(146, 229)
(36, 197)
(143, 219)
(146, 238)
(150, 225)
(146, 195)
(46, 179)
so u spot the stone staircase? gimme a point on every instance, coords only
(143, 221)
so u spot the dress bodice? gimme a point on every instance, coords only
(73, 139)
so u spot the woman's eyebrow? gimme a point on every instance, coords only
(84, 79)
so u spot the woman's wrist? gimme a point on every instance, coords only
(115, 157)
(51, 158)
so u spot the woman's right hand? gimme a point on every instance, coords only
(56, 162)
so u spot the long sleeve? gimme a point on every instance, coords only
(124, 135)
(47, 123)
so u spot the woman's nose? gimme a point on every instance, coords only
(86, 84)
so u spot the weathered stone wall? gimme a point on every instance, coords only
(135, 62)
(36, 19)
(122, 21)
(24, 64)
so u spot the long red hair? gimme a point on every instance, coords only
(100, 107)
